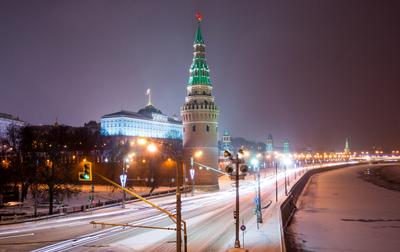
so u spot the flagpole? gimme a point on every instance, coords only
(148, 93)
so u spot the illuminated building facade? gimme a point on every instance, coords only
(286, 147)
(200, 117)
(269, 145)
(7, 121)
(147, 122)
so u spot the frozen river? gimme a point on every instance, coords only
(350, 209)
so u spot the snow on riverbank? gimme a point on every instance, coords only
(339, 211)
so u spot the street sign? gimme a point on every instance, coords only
(123, 180)
(192, 173)
(242, 227)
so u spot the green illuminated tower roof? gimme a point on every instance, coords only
(199, 71)
(198, 38)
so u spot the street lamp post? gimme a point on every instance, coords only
(197, 154)
(276, 182)
(178, 210)
(255, 164)
(123, 180)
(286, 192)
(259, 215)
(192, 174)
(236, 160)
(36, 188)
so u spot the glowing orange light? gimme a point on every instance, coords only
(142, 141)
(151, 148)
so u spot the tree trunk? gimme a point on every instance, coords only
(51, 195)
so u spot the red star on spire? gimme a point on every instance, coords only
(199, 16)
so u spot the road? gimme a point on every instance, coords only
(209, 218)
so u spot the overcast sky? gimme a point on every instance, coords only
(314, 72)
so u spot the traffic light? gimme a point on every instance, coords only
(243, 168)
(86, 175)
(229, 169)
(227, 154)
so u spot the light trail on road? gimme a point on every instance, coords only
(209, 218)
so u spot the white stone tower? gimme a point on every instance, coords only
(200, 118)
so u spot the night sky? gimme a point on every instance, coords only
(314, 72)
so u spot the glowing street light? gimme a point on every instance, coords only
(254, 162)
(142, 141)
(198, 154)
(151, 148)
(286, 162)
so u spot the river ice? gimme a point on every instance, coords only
(339, 211)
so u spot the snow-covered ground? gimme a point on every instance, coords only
(340, 211)
(102, 194)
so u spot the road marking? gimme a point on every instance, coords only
(15, 236)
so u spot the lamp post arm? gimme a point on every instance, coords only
(210, 168)
(171, 215)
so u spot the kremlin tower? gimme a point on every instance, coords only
(200, 118)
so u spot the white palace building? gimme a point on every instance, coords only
(147, 122)
(7, 121)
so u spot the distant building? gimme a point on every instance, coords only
(286, 146)
(147, 122)
(92, 126)
(346, 147)
(226, 143)
(6, 121)
(269, 145)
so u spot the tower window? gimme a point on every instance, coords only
(208, 128)
(194, 128)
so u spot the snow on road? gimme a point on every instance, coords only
(339, 211)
